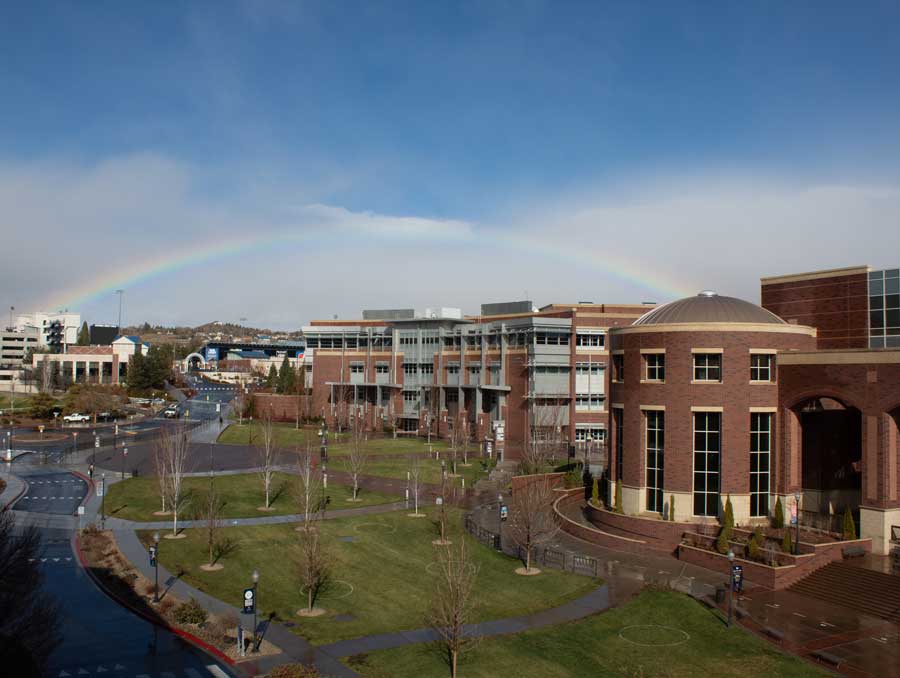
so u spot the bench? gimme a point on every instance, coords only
(775, 634)
(853, 551)
(828, 658)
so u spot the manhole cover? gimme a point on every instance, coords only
(344, 617)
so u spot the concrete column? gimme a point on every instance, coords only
(870, 459)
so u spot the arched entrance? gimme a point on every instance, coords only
(831, 460)
(193, 361)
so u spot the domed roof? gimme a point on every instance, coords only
(708, 307)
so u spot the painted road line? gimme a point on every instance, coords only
(799, 615)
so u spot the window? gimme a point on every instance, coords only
(707, 367)
(551, 339)
(884, 308)
(707, 442)
(356, 368)
(452, 369)
(382, 369)
(590, 340)
(619, 367)
(655, 443)
(426, 368)
(411, 396)
(760, 458)
(619, 426)
(656, 366)
(452, 396)
(409, 369)
(594, 434)
(475, 369)
(762, 366)
(585, 402)
(594, 369)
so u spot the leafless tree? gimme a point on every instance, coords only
(309, 484)
(544, 441)
(356, 459)
(441, 516)
(30, 619)
(45, 376)
(314, 565)
(162, 472)
(452, 604)
(266, 454)
(174, 443)
(457, 439)
(413, 472)
(211, 514)
(531, 521)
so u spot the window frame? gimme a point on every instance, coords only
(707, 367)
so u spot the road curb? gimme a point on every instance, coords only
(191, 638)
(18, 496)
(90, 488)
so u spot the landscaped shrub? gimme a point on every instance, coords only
(786, 543)
(191, 612)
(294, 671)
(595, 493)
(619, 496)
(756, 545)
(672, 507)
(778, 519)
(727, 528)
(572, 479)
(849, 531)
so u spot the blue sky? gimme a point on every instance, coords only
(507, 116)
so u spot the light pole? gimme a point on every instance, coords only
(255, 577)
(75, 444)
(103, 501)
(154, 556)
(730, 583)
(124, 454)
(797, 540)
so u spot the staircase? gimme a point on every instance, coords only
(856, 588)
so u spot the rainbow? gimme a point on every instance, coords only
(134, 274)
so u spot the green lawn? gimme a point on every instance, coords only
(138, 498)
(385, 565)
(430, 470)
(288, 437)
(595, 647)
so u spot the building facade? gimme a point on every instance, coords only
(14, 346)
(93, 364)
(56, 330)
(856, 307)
(510, 375)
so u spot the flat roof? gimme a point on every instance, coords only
(815, 275)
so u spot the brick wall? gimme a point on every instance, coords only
(838, 306)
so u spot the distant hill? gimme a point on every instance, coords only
(215, 328)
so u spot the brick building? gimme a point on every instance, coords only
(510, 374)
(713, 396)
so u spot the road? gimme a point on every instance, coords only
(100, 637)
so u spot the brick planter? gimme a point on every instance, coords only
(591, 534)
(638, 527)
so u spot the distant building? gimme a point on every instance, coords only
(103, 335)
(15, 345)
(56, 330)
(95, 364)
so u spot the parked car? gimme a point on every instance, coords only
(76, 418)
(170, 413)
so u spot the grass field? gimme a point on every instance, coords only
(430, 470)
(138, 498)
(288, 437)
(380, 578)
(665, 634)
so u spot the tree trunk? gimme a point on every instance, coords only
(174, 523)
(309, 599)
(453, 654)
(267, 494)
(528, 559)
(355, 487)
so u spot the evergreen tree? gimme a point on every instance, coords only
(787, 543)
(849, 525)
(286, 379)
(779, 514)
(84, 335)
(619, 496)
(595, 493)
(727, 527)
(137, 376)
(272, 379)
(672, 507)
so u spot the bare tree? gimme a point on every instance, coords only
(174, 443)
(267, 454)
(441, 516)
(211, 514)
(309, 484)
(413, 472)
(356, 460)
(314, 567)
(30, 619)
(452, 604)
(544, 440)
(162, 473)
(45, 375)
(531, 521)
(457, 439)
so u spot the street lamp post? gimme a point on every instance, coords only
(103, 501)
(124, 454)
(797, 540)
(730, 583)
(156, 567)
(255, 605)
(75, 444)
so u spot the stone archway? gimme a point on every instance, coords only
(193, 358)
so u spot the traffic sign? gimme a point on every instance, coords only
(249, 601)
(81, 510)
(504, 512)
(100, 489)
(96, 442)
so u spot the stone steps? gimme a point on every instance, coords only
(866, 591)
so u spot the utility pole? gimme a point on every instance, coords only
(119, 324)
